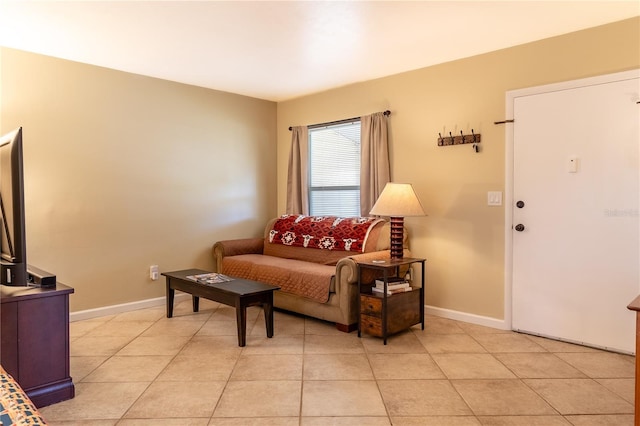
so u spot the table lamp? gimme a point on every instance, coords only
(397, 201)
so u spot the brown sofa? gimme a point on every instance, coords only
(317, 282)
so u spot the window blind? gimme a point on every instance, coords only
(334, 172)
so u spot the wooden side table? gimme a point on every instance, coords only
(382, 314)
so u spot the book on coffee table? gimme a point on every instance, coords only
(209, 278)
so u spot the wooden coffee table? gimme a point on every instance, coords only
(238, 292)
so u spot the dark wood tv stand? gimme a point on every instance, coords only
(34, 345)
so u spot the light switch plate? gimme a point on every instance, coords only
(494, 198)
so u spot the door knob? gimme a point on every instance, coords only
(519, 227)
(520, 204)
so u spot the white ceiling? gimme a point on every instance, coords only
(279, 50)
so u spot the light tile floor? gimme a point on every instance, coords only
(140, 368)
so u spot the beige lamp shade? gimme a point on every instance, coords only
(398, 200)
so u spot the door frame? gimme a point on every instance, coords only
(509, 172)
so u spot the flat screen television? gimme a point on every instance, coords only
(13, 250)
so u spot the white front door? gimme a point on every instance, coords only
(576, 236)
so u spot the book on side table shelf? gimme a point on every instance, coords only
(376, 290)
(394, 285)
(209, 278)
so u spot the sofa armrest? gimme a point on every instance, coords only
(347, 268)
(347, 281)
(235, 247)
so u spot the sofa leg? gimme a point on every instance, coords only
(347, 328)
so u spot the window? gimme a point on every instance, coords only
(334, 172)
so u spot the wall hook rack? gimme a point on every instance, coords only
(473, 138)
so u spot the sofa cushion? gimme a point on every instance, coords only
(306, 279)
(322, 257)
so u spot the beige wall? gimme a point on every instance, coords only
(462, 238)
(124, 171)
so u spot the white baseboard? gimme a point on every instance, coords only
(124, 307)
(160, 301)
(500, 324)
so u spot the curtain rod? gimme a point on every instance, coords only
(346, 120)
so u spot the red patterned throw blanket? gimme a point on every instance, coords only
(323, 232)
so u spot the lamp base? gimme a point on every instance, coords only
(397, 231)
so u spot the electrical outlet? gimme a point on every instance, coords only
(154, 274)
